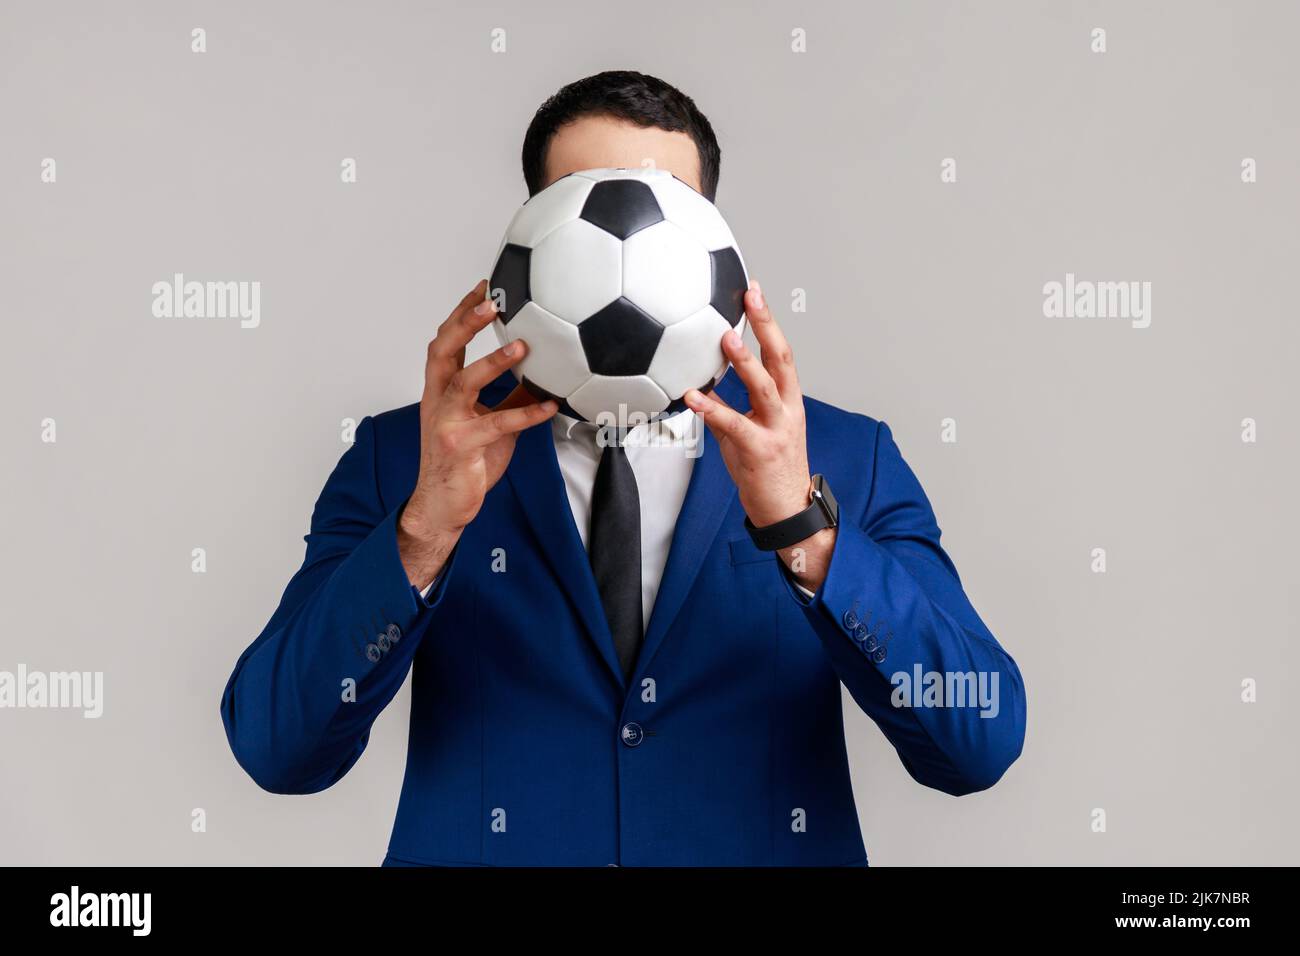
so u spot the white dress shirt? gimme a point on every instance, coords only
(662, 454)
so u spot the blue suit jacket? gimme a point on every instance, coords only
(526, 744)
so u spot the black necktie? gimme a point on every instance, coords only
(614, 548)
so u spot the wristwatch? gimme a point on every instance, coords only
(822, 513)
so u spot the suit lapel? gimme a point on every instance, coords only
(708, 499)
(534, 475)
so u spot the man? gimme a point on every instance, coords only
(623, 653)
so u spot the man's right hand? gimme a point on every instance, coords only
(464, 445)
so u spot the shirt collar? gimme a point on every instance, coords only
(671, 429)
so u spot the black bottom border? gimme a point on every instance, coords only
(306, 905)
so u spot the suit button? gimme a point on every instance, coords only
(869, 643)
(851, 620)
(632, 734)
(382, 640)
(373, 653)
(878, 655)
(394, 633)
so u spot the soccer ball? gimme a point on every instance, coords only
(622, 282)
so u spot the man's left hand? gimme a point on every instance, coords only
(766, 449)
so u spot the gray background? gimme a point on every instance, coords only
(924, 302)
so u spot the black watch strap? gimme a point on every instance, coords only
(824, 512)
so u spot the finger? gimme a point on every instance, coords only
(447, 349)
(774, 349)
(464, 385)
(444, 356)
(468, 310)
(764, 396)
(472, 298)
(723, 420)
(485, 429)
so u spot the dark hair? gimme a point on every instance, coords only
(625, 94)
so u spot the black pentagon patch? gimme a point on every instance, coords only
(621, 207)
(729, 285)
(543, 395)
(678, 405)
(620, 339)
(511, 277)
